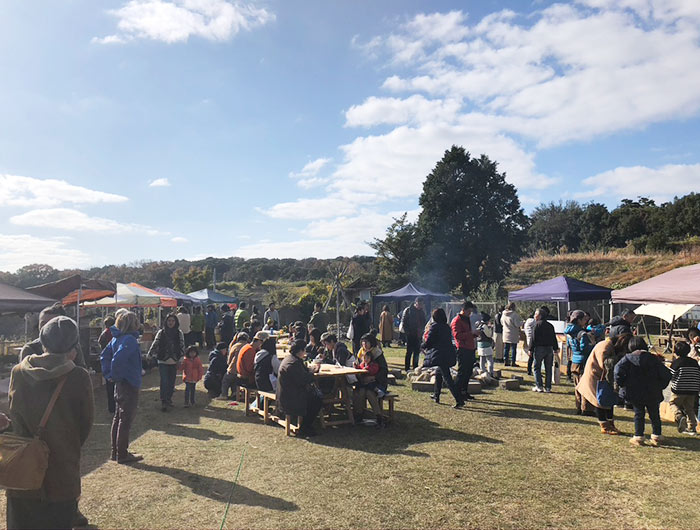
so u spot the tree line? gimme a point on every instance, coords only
(471, 229)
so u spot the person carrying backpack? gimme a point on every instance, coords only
(642, 377)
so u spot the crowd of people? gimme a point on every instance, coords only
(610, 366)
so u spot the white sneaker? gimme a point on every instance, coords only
(690, 433)
(537, 389)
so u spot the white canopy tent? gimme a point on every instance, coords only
(129, 296)
(666, 312)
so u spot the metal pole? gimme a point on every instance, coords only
(337, 308)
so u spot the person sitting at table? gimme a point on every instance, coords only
(299, 332)
(296, 393)
(216, 370)
(314, 348)
(367, 389)
(338, 351)
(245, 365)
(266, 365)
(229, 382)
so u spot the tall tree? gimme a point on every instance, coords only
(555, 226)
(396, 254)
(471, 228)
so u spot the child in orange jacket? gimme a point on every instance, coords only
(192, 371)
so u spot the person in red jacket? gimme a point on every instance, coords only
(245, 365)
(192, 372)
(464, 337)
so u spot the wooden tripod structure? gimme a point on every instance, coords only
(338, 274)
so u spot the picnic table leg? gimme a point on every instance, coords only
(266, 409)
(345, 397)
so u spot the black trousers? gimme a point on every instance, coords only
(313, 406)
(109, 386)
(412, 350)
(465, 368)
(37, 513)
(443, 374)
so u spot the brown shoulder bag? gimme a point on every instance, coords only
(23, 460)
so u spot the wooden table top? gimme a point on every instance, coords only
(331, 370)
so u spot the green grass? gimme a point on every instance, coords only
(510, 459)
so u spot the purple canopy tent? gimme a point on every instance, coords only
(561, 289)
(411, 292)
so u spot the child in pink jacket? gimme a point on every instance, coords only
(192, 372)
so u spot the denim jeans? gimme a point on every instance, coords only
(546, 354)
(486, 364)
(653, 410)
(509, 347)
(168, 372)
(189, 393)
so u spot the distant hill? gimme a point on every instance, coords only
(615, 268)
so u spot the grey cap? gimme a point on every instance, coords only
(59, 335)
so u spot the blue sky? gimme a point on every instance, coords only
(164, 129)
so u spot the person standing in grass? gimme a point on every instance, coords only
(544, 346)
(601, 366)
(484, 344)
(413, 322)
(580, 345)
(498, 335)
(642, 378)
(192, 372)
(386, 327)
(185, 321)
(465, 337)
(197, 323)
(511, 322)
(242, 318)
(121, 364)
(440, 353)
(33, 382)
(685, 385)
(104, 339)
(211, 320)
(168, 347)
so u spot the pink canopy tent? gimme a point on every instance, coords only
(677, 286)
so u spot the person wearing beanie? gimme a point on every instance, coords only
(32, 383)
(34, 347)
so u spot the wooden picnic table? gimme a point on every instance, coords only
(341, 393)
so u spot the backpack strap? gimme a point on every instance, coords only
(49, 407)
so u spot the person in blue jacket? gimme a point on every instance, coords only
(642, 377)
(121, 364)
(580, 346)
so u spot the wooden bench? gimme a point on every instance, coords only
(390, 399)
(267, 416)
(249, 394)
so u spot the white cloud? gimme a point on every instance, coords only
(311, 169)
(159, 183)
(177, 20)
(74, 220)
(40, 193)
(661, 184)
(179, 240)
(19, 250)
(509, 86)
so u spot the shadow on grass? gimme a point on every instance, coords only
(219, 490)
(528, 414)
(406, 430)
(191, 432)
(560, 410)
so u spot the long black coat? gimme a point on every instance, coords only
(293, 386)
(438, 346)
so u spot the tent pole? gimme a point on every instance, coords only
(558, 312)
(77, 305)
(337, 311)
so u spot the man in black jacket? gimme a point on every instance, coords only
(622, 324)
(413, 322)
(544, 343)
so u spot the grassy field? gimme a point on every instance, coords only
(509, 459)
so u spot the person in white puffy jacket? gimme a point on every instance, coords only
(511, 322)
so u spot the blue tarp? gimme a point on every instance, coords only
(561, 289)
(209, 296)
(177, 295)
(410, 291)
